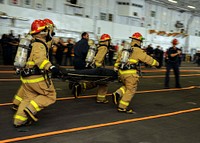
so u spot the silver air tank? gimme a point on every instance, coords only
(22, 52)
(90, 55)
(126, 51)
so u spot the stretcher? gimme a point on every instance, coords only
(97, 76)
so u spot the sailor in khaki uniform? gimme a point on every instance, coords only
(125, 64)
(38, 88)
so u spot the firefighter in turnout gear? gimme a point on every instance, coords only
(19, 95)
(128, 74)
(37, 87)
(98, 62)
(103, 49)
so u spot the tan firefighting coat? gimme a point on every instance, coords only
(38, 91)
(100, 56)
(130, 77)
(19, 95)
(99, 62)
(137, 55)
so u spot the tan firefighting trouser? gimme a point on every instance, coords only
(101, 92)
(127, 91)
(18, 96)
(37, 95)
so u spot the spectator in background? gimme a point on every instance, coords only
(9, 47)
(158, 55)
(180, 57)
(59, 51)
(173, 54)
(111, 54)
(5, 49)
(149, 50)
(68, 55)
(80, 51)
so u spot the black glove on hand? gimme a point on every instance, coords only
(55, 72)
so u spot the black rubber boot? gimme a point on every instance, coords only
(102, 101)
(14, 107)
(76, 89)
(124, 110)
(30, 115)
(115, 98)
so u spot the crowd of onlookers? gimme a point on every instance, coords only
(62, 51)
(8, 47)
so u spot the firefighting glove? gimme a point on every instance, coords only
(157, 65)
(116, 69)
(55, 72)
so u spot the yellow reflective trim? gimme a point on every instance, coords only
(18, 98)
(101, 96)
(31, 63)
(98, 64)
(154, 63)
(133, 61)
(132, 71)
(84, 85)
(124, 103)
(20, 118)
(32, 80)
(122, 89)
(116, 64)
(42, 27)
(43, 64)
(39, 28)
(35, 105)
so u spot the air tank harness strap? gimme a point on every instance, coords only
(46, 76)
(31, 71)
(128, 66)
(103, 45)
(36, 71)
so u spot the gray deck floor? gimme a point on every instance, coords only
(162, 116)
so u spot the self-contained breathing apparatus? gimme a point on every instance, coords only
(124, 62)
(90, 55)
(126, 52)
(23, 51)
(22, 55)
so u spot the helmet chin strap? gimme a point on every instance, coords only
(50, 35)
(109, 43)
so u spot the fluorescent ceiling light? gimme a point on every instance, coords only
(191, 6)
(172, 1)
(157, 1)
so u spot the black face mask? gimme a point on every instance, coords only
(136, 45)
(50, 35)
(109, 44)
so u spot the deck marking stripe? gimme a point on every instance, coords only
(98, 125)
(137, 92)
(150, 76)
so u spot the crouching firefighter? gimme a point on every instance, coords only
(126, 66)
(98, 62)
(37, 87)
(23, 52)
